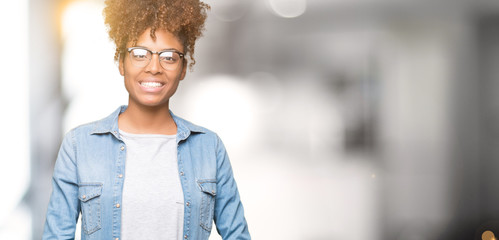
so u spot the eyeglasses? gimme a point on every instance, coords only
(168, 59)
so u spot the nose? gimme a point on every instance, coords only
(154, 66)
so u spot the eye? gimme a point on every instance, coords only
(139, 54)
(169, 57)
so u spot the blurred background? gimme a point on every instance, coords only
(344, 119)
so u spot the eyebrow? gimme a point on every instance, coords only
(165, 49)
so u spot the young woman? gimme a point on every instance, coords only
(142, 172)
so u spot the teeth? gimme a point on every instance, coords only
(151, 84)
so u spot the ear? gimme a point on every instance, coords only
(121, 66)
(184, 70)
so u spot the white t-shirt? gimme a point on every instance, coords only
(153, 201)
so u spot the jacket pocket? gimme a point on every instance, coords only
(89, 195)
(207, 208)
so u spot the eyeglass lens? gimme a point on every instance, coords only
(169, 60)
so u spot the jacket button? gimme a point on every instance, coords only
(120, 176)
(185, 236)
(83, 196)
(117, 205)
(122, 148)
(181, 173)
(188, 204)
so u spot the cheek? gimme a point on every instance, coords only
(129, 73)
(127, 85)
(175, 81)
(128, 79)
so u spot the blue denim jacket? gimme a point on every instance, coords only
(90, 170)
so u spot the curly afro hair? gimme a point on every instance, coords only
(128, 19)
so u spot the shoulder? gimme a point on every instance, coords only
(86, 129)
(104, 125)
(195, 133)
(189, 127)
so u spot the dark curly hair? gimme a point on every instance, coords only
(128, 19)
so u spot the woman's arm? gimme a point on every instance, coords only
(63, 208)
(229, 213)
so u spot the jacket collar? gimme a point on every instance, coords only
(110, 125)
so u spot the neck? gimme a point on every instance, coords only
(147, 120)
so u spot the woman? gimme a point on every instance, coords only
(142, 172)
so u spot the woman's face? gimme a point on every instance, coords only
(152, 85)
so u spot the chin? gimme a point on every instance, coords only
(153, 104)
(148, 101)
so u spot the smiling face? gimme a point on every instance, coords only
(152, 85)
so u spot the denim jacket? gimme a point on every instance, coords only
(90, 171)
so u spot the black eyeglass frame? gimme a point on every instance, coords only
(181, 55)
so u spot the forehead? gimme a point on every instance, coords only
(163, 40)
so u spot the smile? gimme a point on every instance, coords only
(151, 84)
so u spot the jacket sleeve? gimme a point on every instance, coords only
(63, 208)
(229, 214)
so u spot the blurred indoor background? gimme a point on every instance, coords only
(344, 119)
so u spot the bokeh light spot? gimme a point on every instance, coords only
(288, 8)
(229, 10)
(224, 104)
(488, 235)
